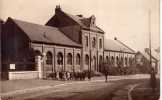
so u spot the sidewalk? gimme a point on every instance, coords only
(13, 85)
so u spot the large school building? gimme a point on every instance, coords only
(65, 43)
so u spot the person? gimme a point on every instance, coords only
(89, 75)
(105, 72)
(68, 75)
(71, 75)
(60, 75)
(153, 80)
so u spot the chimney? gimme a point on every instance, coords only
(57, 9)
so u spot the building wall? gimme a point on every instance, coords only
(55, 50)
(128, 58)
(94, 52)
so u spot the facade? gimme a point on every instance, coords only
(65, 43)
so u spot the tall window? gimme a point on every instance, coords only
(49, 58)
(86, 41)
(126, 61)
(78, 59)
(112, 60)
(117, 60)
(94, 63)
(87, 60)
(122, 61)
(130, 61)
(60, 58)
(69, 59)
(107, 59)
(100, 43)
(94, 42)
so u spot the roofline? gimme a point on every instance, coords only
(40, 42)
(92, 30)
(124, 45)
(118, 51)
(79, 24)
(147, 54)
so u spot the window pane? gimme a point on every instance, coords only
(69, 59)
(49, 58)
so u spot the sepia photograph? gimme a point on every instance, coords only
(80, 50)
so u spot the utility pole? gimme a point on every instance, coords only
(149, 20)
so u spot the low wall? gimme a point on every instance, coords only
(23, 75)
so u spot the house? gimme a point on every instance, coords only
(143, 61)
(65, 43)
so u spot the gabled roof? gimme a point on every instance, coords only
(84, 22)
(147, 56)
(80, 20)
(46, 34)
(113, 45)
(154, 54)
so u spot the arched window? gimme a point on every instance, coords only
(107, 59)
(126, 61)
(130, 61)
(94, 42)
(49, 58)
(117, 60)
(133, 60)
(78, 59)
(93, 20)
(86, 41)
(87, 60)
(121, 61)
(94, 63)
(60, 58)
(69, 58)
(100, 43)
(112, 60)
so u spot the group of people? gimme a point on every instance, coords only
(69, 75)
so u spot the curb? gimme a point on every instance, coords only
(130, 90)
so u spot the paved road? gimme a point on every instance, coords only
(81, 90)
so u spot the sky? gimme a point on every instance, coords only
(128, 20)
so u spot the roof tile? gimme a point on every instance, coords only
(47, 34)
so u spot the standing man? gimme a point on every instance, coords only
(105, 71)
(153, 79)
(89, 75)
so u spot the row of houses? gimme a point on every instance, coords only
(66, 42)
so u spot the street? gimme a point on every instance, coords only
(84, 91)
(96, 89)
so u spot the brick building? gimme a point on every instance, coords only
(65, 43)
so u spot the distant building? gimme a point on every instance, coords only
(143, 61)
(118, 54)
(65, 43)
